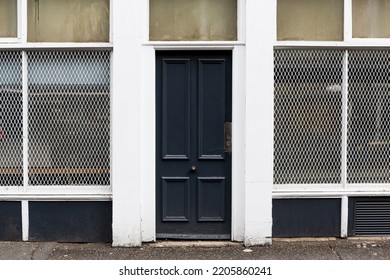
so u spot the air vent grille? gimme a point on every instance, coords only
(372, 217)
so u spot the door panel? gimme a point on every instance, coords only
(193, 171)
(211, 199)
(176, 109)
(175, 199)
(211, 108)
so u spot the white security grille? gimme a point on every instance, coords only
(369, 116)
(69, 118)
(307, 116)
(11, 119)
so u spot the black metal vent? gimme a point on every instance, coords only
(371, 216)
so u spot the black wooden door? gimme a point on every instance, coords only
(193, 162)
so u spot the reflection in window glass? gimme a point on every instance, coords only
(8, 18)
(191, 20)
(68, 21)
(371, 18)
(310, 20)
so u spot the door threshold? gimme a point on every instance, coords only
(193, 243)
(170, 236)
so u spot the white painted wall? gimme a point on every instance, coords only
(238, 143)
(126, 122)
(260, 38)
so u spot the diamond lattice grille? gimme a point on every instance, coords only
(369, 116)
(69, 118)
(11, 119)
(307, 116)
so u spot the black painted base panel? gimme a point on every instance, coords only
(306, 217)
(70, 221)
(10, 221)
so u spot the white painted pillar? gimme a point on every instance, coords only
(148, 193)
(238, 141)
(126, 121)
(260, 38)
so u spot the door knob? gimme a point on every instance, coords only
(193, 168)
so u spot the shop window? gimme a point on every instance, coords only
(191, 20)
(8, 18)
(371, 18)
(310, 20)
(68, 21)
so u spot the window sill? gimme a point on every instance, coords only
(9, 40)
(43, 46)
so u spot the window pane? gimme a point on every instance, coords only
(11, 123)
(69, 118)
(371, 18)
(193, 20)
(68, 21)
(310, 20)
(8, 18)
(307, 116)
(368, 117)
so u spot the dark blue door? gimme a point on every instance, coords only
(193, 157)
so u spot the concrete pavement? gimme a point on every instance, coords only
(281, 249)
